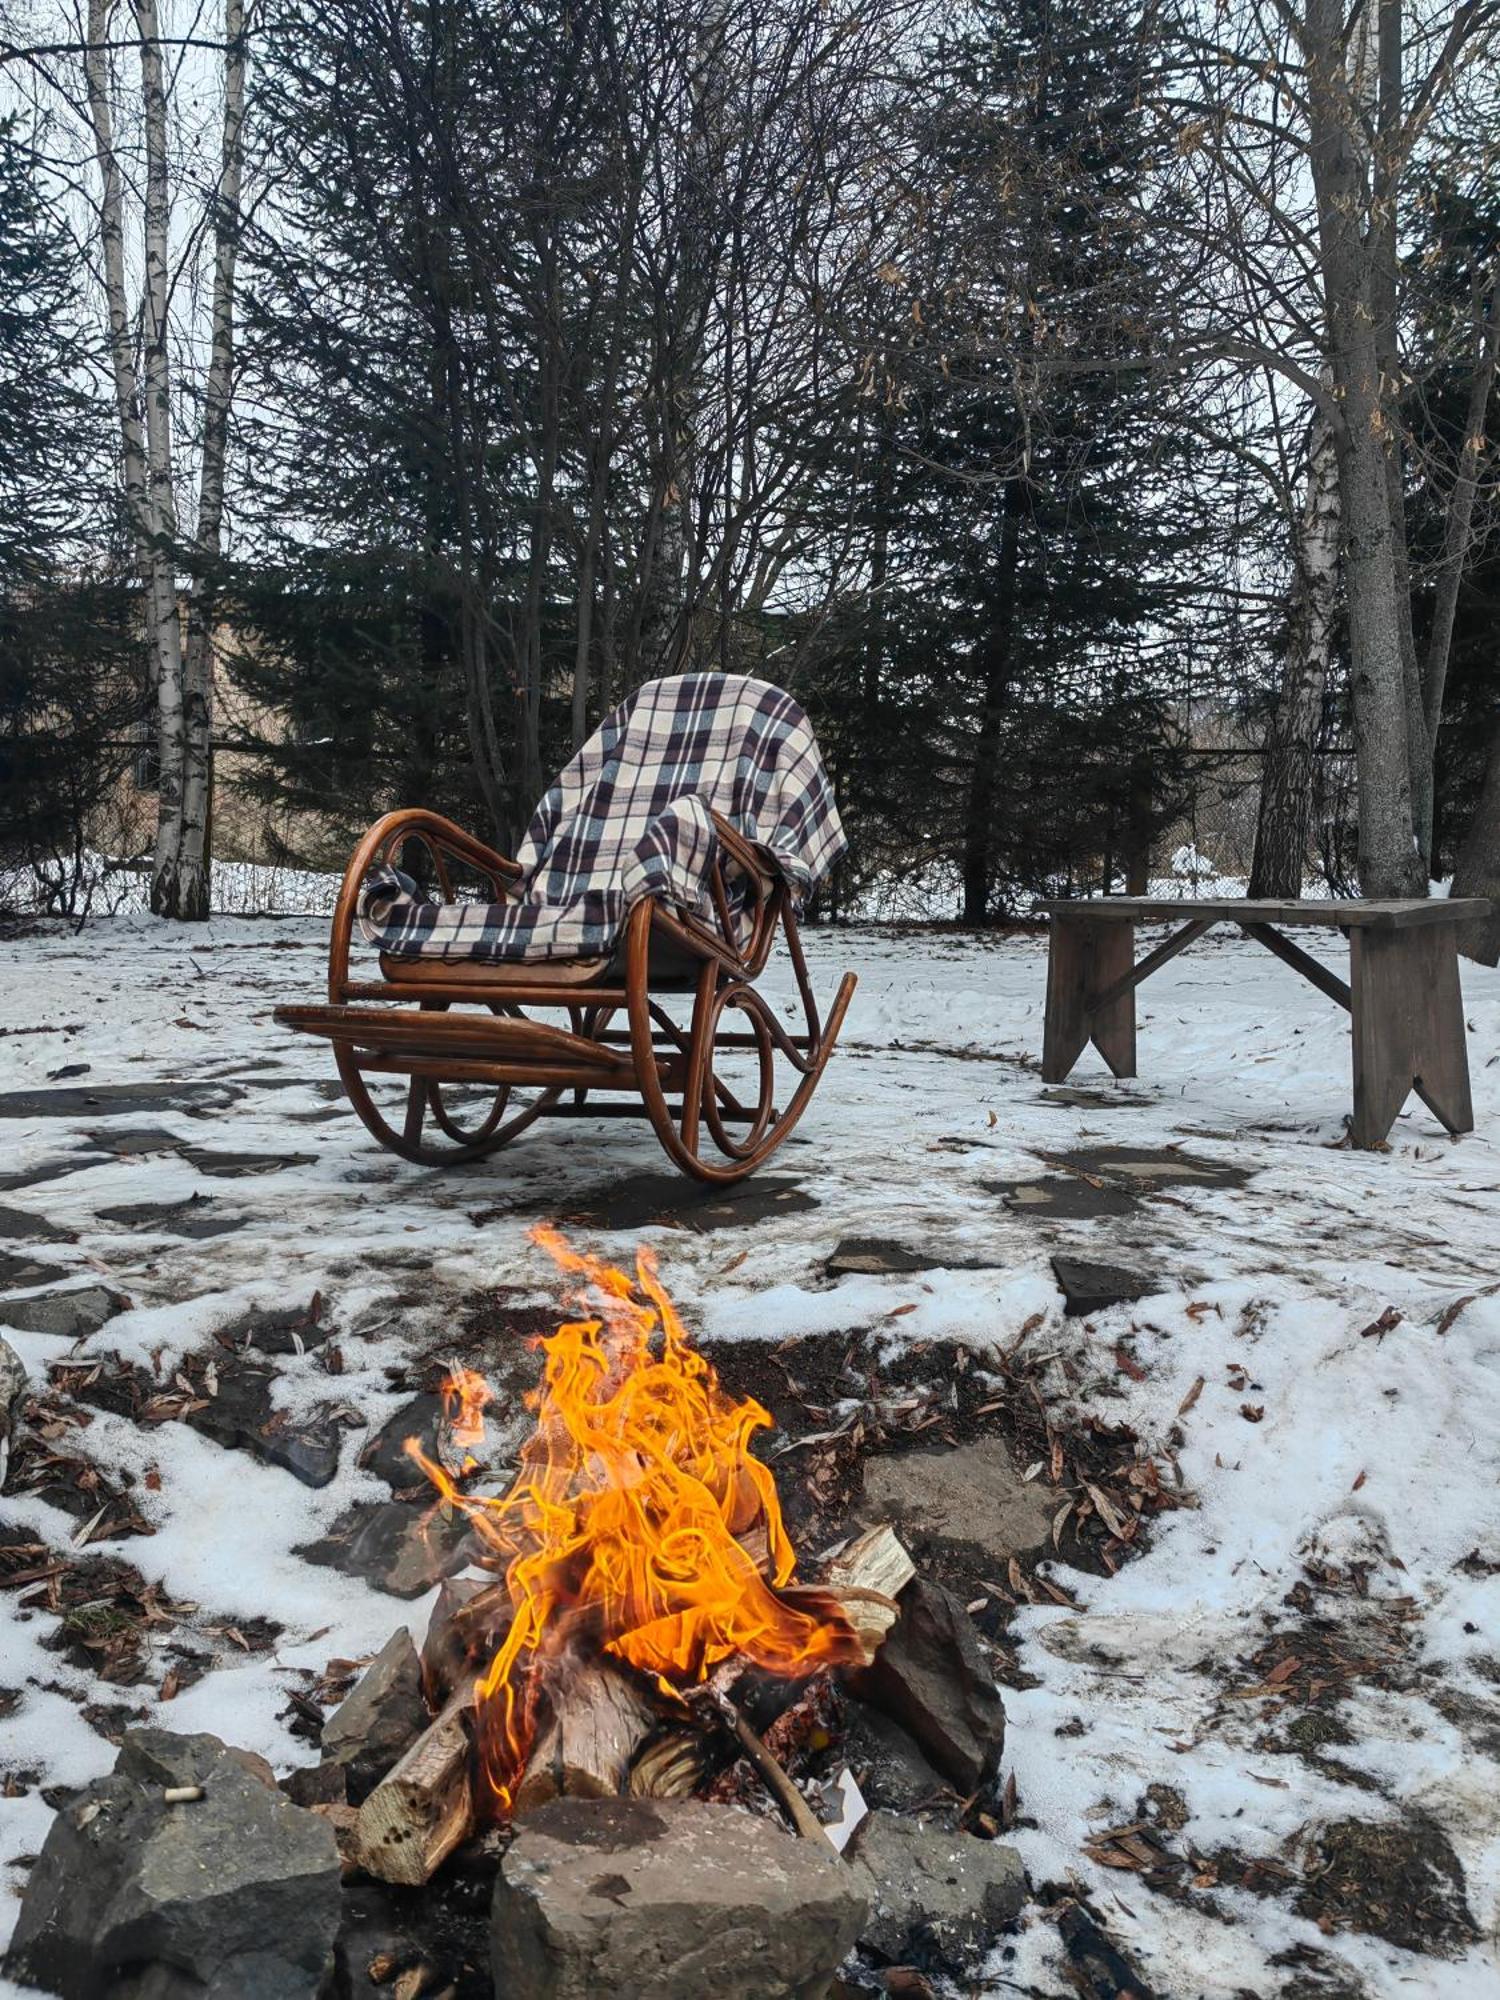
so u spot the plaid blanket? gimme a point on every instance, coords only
(630, 817)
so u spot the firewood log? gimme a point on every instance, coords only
(468, 1627)
(599, 1717)
(863, 1582)
(424, 1806)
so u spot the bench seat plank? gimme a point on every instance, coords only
(1328, 914)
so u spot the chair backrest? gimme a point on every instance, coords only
(740, 746)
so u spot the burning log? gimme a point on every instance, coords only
(424, 1806)
(599, 1718)
(467, 1625)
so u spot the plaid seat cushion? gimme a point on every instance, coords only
(630, 817)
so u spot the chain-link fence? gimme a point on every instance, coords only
(1212, 839)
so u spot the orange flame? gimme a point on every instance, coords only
(620, 1528)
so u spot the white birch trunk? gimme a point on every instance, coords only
(194, 860)
(165, 621)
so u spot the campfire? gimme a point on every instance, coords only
(645, 1571)
(632, 1686)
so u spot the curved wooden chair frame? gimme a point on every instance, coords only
(441, 1023)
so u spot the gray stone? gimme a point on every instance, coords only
(243, 1417)
(240, 1166)
(234, 1896)
(1063, 1198)
(871, 1256)
(938, 1899)
(54, 1169)
(24, 1271)
(378, 1718)
(288, 1330)
(13, 1387)
(401, 1546)
(19, 1225)
(973, 1493)
(65, 1315)
(117, 1100)
(1144, 1168)
(196, 1218)
(134, 1140)
(1089, 1287)
(931, 1676)
(668, 1900)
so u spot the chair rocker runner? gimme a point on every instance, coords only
(661, 865)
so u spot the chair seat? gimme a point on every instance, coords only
(482, 973)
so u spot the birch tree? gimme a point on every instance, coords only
(146, 337)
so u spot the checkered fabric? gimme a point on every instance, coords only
(630, 817)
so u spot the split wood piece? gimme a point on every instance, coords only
(424, 1806)
(865, 1581)
(670, 1767)
(467, 1628)
(599, 1719)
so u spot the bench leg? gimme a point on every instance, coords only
(1085, 957)
(1409, 1034)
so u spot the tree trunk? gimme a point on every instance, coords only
(1389, 862)
(1478, 869)
(194, 858)
(1457, 527)
(984, 778)
(1283, 830)
(174, 888)
(1479, 865)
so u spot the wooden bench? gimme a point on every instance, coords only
(1403, 994)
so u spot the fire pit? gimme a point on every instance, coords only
(625, 1716)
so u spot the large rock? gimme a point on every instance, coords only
(932, 1677)
(71, 1315)
(378, 1718)
(13, 1387)
(234, 1896)
(938, 1899)
(668, 1901)
(972, 1493)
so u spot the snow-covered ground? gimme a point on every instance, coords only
(1323, 1357)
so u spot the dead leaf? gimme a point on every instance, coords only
(169, 1687)
(1252, 1412)
(1359, 1481)
(1283, 1670)
(1191, 1397)
(1127, 1364)
(1379, 1328)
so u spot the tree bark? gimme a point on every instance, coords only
(1283, 829)
(194, 858)
(984, 779)
(1478, 870)
(1389, 861)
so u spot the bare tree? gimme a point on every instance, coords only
(1302, 129)
(145, 390)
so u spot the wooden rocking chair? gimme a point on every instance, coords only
(465, 1025)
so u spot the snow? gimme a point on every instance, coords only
(1380, 1450)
